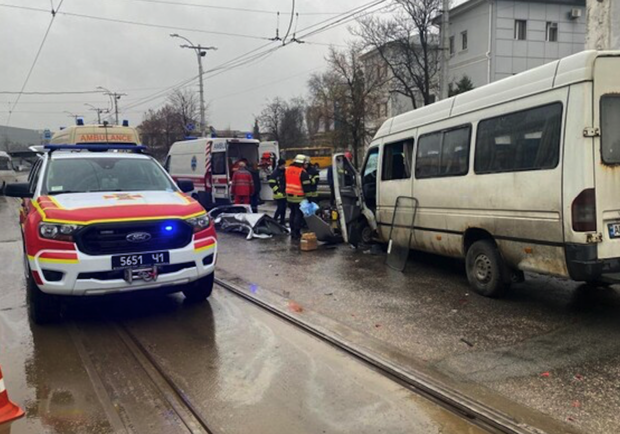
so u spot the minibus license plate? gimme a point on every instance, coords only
(614, 230)
(138, 260)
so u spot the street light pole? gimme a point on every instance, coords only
(445, 46)
(98, 110)
(72, 115)
(200, 53)
(115, 98)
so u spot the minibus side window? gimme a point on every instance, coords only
(610, 128)
(455, 152)
(525, 140)
(397, 160)
(427, 160)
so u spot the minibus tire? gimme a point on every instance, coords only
(42, 308)
(199, 290)
(486, 271)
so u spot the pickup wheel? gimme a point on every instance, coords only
(486, 271)
(42, 308)
(199, 290)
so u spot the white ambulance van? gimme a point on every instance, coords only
(208, 163)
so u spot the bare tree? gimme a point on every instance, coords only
(284, 122)
(186, 107)
(270, 119)
(344, 97)
(161, 128)
(408, 44)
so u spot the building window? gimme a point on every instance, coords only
(464, 40)
(552, 32)
(520, 30)
(451, 45)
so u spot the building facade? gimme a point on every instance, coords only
(494, 39)
(19, 139)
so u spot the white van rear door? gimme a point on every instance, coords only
(607, 155)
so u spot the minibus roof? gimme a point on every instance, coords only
(568, 70)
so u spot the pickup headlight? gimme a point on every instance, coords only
(57, 232)
(199, 223)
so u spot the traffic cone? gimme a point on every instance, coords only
(8, 410)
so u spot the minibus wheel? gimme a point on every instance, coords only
(486, 271)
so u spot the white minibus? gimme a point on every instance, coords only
(519, 175)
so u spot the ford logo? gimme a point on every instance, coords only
(138, 237)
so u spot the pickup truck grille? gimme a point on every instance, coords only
(111, 238)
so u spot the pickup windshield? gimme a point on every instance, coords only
(84, 175)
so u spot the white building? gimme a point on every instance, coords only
(494, 39)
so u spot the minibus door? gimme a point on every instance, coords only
(349, 196)
(607, 155)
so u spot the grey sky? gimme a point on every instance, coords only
(81, 54)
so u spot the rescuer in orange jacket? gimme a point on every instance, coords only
(297, 186)
(242, 186)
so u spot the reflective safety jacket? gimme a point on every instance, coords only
(242, 183)
(297, 183)
(277, 182)
(313, 174)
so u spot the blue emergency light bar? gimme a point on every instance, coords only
(96, 148)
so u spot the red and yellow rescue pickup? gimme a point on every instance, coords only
(102, 219)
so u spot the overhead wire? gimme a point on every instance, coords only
(243, 61)
(138, 23)
(290, 24)
(251, 57)
(229, 8)
(34, 62)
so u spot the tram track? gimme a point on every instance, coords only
(196, 421)
(477, 413)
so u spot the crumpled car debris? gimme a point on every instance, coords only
(239, 218)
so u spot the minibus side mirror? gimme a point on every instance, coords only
(20, 189)
(185, 185)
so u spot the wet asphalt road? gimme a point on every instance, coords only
(242, 368)
(548, 353)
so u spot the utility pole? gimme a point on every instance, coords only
(445, 49)
(74, 116)
(98, 110)
(200, 53)
(602, 25)
(115, 96)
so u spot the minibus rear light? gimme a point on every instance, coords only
(583, 211)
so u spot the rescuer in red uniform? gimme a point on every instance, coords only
(242, 186)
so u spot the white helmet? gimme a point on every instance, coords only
(300, 159)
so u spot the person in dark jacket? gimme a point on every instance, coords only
(313, 173)
(277, 182)
(242, 186)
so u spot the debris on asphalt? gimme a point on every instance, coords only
(295, 307)
(576, 404)
(239, 218)
(579, 377)
(545, 374)
(465, 341)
